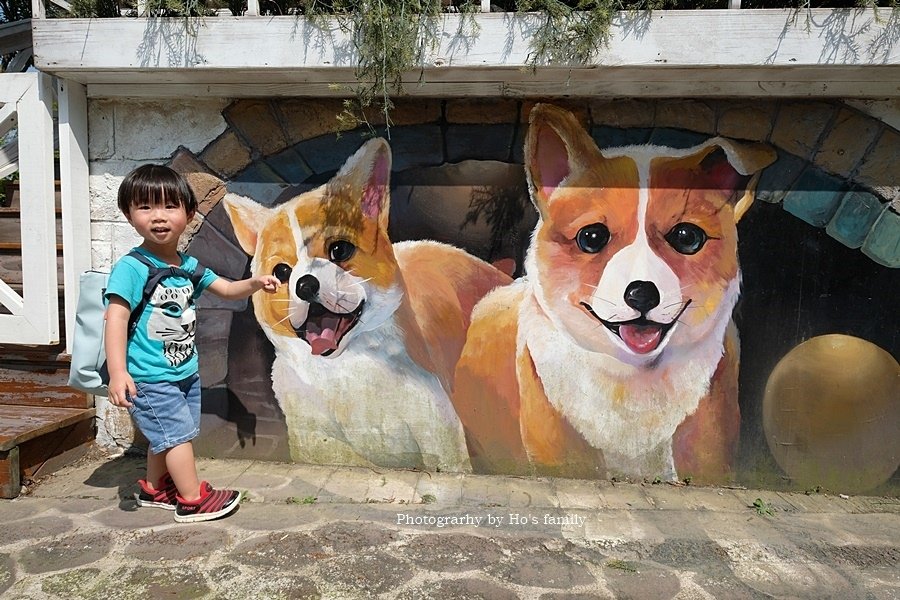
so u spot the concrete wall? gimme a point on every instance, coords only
(819, 251)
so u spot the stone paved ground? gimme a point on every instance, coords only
(317, 532)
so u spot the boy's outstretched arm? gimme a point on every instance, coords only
(236, 290)
(115, 338)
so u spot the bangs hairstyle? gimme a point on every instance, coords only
(155, 184)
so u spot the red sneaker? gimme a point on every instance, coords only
(212, 504)
(161, 497)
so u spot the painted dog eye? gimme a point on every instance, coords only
(282, 272)
(340, 251)
(686, 238)
(592, 238)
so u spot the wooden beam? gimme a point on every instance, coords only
(38, 9)
(756, 40)
(337, 77)
(15, 36)
(872, 82)
(20, 62)
(10, 473)
(9, 154)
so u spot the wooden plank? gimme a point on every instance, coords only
(338, 77)
(18, 289)
(10, 483)
(41, 357)
(40, 386)
(15, 36)
(14, 196)
(690, 87)
(718, 38)
(17, 247)
(11, 229)
(759, 53)
(38, 10)
(19, 424)
(55, 449)
(11, 270)
(8, 119)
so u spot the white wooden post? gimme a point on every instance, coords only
(38, 10)
(253, 8)
(76, 202)
(485, 6)
(34, 317)
(37, 191)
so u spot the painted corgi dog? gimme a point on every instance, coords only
(616, 354)
(366, 333)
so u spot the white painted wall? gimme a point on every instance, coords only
(124, 134)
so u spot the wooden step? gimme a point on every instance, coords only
(42, 357)
(11, 229)
(44, 424)
(11, 268)
(38, 440)
(13, 196)
(44, 385)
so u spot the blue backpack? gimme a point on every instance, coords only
(88, 372)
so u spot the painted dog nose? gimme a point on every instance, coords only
(642, 296)
(307, 287)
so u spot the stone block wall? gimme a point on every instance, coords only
(833, 194)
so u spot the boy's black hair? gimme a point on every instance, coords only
(155, 184)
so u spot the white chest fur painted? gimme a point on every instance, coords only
(629, 413)
(333, 416)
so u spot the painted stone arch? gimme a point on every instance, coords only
(819, 250)
(833, 168)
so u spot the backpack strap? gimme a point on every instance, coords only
(155, 275)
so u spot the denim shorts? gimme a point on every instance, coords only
(167, 413)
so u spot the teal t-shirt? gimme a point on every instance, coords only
(162, 346)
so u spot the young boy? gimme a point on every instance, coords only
(154, 372)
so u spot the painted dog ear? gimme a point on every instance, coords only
(734, 166)
(726, 165)
(367, 174)
(748, 160)
(557, 149)
(248, 217)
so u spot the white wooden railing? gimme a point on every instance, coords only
(32, 317)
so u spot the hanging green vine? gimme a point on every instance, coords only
(391, 38)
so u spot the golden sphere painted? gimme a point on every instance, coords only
(831, 414)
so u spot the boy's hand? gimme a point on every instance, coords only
(269, 283)
(236, 290)
(121, 386)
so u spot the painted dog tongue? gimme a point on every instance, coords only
(323, 334)
(641, 338)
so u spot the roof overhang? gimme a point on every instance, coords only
(697, 53)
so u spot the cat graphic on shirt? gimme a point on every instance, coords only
(173, 322)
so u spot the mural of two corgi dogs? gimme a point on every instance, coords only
(616, 354)
(366, 332)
